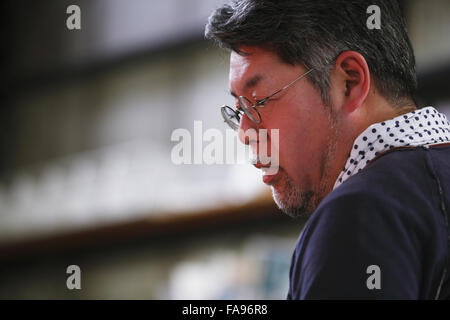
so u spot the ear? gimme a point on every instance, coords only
(352, 73)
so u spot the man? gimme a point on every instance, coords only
(356, 155)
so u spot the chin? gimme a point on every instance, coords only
(293, 200)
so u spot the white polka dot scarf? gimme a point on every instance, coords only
(416, 128)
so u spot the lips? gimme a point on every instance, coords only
(266, 172)
(268, 178)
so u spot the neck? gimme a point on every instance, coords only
(402, 110)
(383, 111)
(368, 115)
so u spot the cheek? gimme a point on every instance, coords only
(296, 150)
(302, 141)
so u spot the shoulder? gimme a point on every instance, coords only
(393, 193)
(375, 217)
(397, 185)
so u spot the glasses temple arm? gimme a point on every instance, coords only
(285, 87)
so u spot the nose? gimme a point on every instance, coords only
(247, 130)
(248, 135)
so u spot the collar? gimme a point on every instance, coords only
(417, 128)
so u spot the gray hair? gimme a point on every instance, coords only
(314, 32)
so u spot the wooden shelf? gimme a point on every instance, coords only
(262, 210)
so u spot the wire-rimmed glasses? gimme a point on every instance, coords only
(233, 116)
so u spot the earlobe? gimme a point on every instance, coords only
(355, 74)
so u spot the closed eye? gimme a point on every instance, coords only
(264, 101)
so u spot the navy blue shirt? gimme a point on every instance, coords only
(393, 214)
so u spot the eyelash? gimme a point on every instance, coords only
(257, 101)
(268, 100)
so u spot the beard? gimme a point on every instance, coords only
(294, 201)
(301, 201)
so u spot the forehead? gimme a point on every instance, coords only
(252, 59)
(255, 61)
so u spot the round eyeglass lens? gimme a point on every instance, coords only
(249, 110)
(230, 117)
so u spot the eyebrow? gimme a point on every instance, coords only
(250, 83)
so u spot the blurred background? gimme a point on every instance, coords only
(86, 176)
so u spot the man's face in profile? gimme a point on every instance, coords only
(308, 129)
